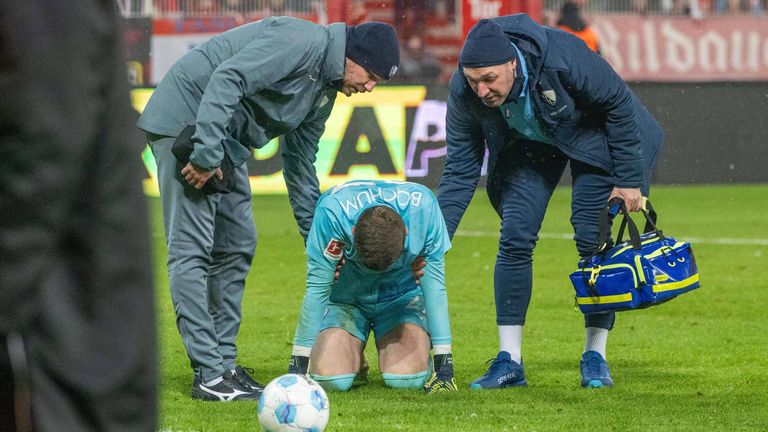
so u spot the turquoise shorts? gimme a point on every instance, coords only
(358, 319)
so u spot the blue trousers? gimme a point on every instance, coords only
(531, 171)
(211, 242)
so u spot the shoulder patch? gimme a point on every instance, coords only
(334, 250)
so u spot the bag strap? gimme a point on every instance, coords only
(651, 218)
(588, 281)
(615, 206)
(603, 223)
(622, 227)
(650, 221)
(634, 233)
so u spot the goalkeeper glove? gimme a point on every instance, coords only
(298, 365)
(442, 379)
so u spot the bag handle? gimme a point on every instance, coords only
(650, 221)
(615, 206)
(650, 217)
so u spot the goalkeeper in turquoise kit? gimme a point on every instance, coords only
(364, 249)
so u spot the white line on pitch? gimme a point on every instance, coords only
(699, 240)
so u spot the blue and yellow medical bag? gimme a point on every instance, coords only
(644, 271)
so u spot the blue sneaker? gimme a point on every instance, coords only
(503, 373)
(594, 371)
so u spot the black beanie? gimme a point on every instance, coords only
(486, 45)
(374, 46)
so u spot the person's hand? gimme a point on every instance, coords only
(442, 379)
(632, 197)
(298, 365)
(417, 268)
(197, 176)
(339, 265)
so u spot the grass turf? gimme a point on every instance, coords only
(697, 363)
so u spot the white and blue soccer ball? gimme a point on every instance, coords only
(293, 403)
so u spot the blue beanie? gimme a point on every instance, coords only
(486, 45)
(374, 46)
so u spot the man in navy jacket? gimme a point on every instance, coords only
(538, 98)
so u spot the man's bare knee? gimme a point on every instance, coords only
(404, 350)
(336, 352)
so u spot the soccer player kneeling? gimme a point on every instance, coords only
(375, 261)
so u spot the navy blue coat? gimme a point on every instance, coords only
(589, 113)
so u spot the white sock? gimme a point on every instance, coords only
(511, 341)
(597, 338)
(213, 382)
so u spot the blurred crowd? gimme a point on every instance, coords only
(428, 28)
(412, 14)
(232, 7)
(694, 8)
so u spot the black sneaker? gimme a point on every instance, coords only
(228, 389)
(243, 374)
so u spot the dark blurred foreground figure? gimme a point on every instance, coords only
(77, 326)
(571, 21)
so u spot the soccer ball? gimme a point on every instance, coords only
(293, 403)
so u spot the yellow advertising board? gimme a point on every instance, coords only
(365, 138)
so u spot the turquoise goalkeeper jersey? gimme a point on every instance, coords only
(330, 239)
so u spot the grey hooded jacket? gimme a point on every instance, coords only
(246, 86)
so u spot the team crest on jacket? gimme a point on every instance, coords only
(549, 96)
(334, 250)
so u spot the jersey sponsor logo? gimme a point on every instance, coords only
(334, 250)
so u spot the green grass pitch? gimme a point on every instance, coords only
(698, 363)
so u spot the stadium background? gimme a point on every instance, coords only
(700, 66)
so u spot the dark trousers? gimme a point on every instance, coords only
(77, 315)
(531, 171)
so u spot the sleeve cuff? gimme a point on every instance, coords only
(629, 174)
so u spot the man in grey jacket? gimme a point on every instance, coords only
(275, 77)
